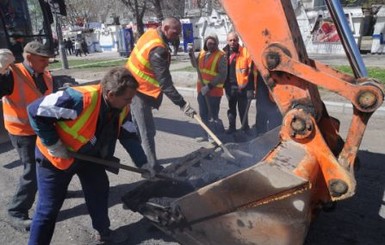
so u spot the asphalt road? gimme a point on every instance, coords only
(358, 220)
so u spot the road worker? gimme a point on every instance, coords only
(87, 120)
(211, 65)
(149, 63)
(19, 86)
(239, 86)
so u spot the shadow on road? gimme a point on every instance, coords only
(183, 128)
(356, 220)
(4, 147)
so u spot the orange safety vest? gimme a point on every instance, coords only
(78, 132)
(139, 62)
(242, 67)
(15, 105)
(209, 70)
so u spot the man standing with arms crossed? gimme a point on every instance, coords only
(149, 63)
(19, 86)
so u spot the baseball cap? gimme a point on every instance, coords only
(38, 48)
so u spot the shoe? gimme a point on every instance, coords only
(200, 139)
(22, 224)
(212, 142)
(108, 237)
(246, 128)
(230, 131)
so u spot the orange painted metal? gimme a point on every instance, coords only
(274, 200)
(271, 34)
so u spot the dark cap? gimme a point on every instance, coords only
(38, 48)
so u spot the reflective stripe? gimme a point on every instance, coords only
(139, 53)
(241, 71)
(8, 101)
(212, 71)
(142, 75)
(74, 130)
(16, 119)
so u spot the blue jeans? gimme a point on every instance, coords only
(24, 197)
(135, 150)
(53, 184)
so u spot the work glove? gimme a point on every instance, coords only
(205, 90)
(58, 150)
(6, 59)
(250, 94)
(188, 110)
(129, 126)
(190, 48)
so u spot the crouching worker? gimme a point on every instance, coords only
(87, 120)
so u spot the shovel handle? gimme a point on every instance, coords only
(213, 136)
(112, 164)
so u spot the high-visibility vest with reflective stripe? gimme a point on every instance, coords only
(139, 62)
(78, 132)
(209, 70)
(15, 105)
(242, 67)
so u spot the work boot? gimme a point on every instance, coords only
(246, 128)
(108, 237)
(230, 130)
(232, 127)
(200, 139)
(22, 224)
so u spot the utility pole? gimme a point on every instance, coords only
(59, 34)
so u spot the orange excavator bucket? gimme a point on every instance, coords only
(271, 194)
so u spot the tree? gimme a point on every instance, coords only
(138, 8)
(158, 9)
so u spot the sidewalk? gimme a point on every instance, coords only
(185, 77)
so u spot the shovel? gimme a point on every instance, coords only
(115, 166)
(215, 138)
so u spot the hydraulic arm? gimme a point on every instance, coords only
(273, 198)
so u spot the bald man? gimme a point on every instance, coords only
(149, 63)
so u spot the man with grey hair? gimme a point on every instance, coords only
(149, 63)
(20, 85)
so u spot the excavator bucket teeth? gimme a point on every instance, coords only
(251, 202)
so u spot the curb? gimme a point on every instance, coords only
(344, 108)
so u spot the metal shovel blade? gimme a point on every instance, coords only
(212, 135)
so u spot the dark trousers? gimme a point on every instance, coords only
(24, 197)
(239, 100)
(268, 115)
(214, 103)
(204, 111)
(53, 184)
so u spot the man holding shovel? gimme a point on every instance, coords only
(87, 120)
(149, 63)
(212, 69)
